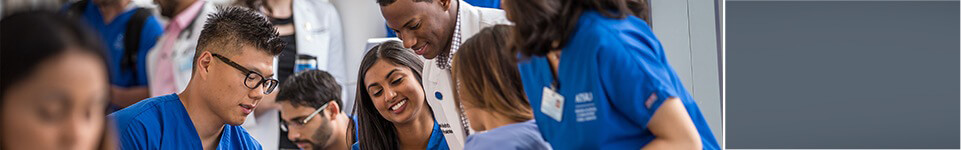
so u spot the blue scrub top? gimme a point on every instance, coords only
(163, 123)
(112, 36)
(519, 136)
(435, 142)
(607, 72)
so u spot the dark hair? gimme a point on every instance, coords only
(388, 2)
(312, 88)
(375, 131)
(31, 38)
(542, 26)
(34, 37)
(487, 73)
(237, 24)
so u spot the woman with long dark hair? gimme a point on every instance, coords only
(391, 108)
(54, 85)
(597, 77)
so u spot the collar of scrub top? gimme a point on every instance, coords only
(444, 61)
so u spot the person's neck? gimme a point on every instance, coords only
(207, 124)
(454, 10)
(280, 8)
(554, 57)
(110, 11)
(415, 134)
(182, 6)
(340, 138)
(454, 7)
(495, 120)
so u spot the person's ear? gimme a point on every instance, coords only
(445, 4)
(334, 109)
(203, 64)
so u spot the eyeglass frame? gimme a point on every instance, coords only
(247, 72)
(308, 118)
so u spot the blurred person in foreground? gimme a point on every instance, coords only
(54, 85)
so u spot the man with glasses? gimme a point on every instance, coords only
(310, 106)
(232, 72)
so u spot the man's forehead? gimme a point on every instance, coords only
(402, 11)
(256, 60)
(396, 16)
(294, 110)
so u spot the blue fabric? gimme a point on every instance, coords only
(435, 142)
(607, 72)
(163, 123)
(112, 36)
(519, 136)
(353, 118)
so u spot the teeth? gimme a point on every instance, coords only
(396, 106)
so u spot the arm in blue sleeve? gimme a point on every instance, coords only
(635, 79)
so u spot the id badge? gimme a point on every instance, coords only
(552, 104)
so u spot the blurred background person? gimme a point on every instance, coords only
(54, 84)
(312, 111)
(314, 36)
(492, 94)
(128, 32)
(392, 109)
(596, 63)
(170, 61)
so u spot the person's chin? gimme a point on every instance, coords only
(305, 145)
(402, 117)
(431, 54)
(238, 121)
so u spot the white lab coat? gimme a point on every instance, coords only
(183, 51)
(437, 80)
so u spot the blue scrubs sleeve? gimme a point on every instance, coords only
(631, 73)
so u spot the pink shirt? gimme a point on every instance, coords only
(164, 82)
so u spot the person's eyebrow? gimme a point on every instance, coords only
(372, 85)
(257, 70)
(409, 21)
(390, 73)
(298, 118)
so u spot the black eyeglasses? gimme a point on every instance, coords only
(253, 79)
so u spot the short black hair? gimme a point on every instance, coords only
(388, 2)
(310, 88)
(237, 24)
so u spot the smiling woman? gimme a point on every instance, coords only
(391, 108)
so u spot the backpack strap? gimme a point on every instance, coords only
(132, 38)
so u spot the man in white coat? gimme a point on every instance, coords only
(435, 29)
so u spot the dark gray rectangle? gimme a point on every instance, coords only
(849, 74)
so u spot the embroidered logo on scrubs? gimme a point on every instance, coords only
(584, 107)
(650, 100)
